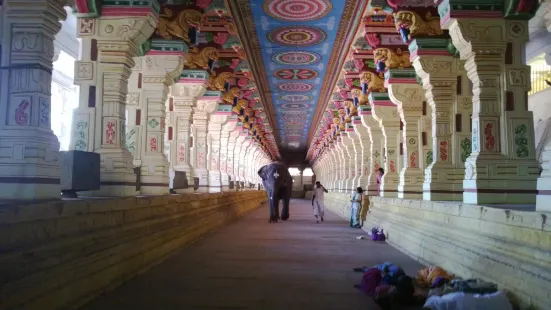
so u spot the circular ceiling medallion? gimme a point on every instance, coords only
(295, 86)
(297, 10)
(295, 106)
(295, 98)
(295, 74)
(297, 36)
(297, 58)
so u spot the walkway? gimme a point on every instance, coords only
(251, 264)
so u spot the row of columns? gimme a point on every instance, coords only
(125, 103)
(464, 134)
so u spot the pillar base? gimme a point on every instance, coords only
(154, 185)
(215, 181)
(443, 183)
(116, 173)
(543, 199)
(203, 176)
(389, 187)
(411, 184)
(491, 182)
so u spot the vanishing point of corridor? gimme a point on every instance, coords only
(251, 264)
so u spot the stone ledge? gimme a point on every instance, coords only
(508, 247)
(62, 262)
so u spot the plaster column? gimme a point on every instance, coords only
(243, 161)
(231, 154)
(236, 158)
(350, 154)
(334, 168)
(443, 177)
(385, 112)
(227, 129)
(365, 164)
(341, 168)
(201, 112)
(409, 100)
(185, 93)
(502, 135)
(214, 151)
(376, 159)
(358, 153)
(146, 113)
(30, 150)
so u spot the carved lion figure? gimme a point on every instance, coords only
(351, 110)
(178, 27)
(430, 25)
(391, 59)
(200, 58)
(241, 103)
(374, 82)
(217, 82)
(228, 96)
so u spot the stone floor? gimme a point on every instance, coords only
(251, 264)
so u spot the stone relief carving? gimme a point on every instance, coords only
(178, 26)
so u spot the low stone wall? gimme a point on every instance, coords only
(511, 248)
(62, 254)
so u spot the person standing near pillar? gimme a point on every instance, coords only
(317, 201)
(357, 200)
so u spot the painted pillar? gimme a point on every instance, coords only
(408, 98)
(350, 154)
(206, 105)
(365, 162)
(236, 157)
(243, 160)
(358, 153)
(502, 135)
(340, 164)
(217, 120)
(146, 101)
(385, 112)
(231, 154)
(225, 157)
(333, 168)
(30, 160)
(376, 151)
(185, 93)
(443, 176)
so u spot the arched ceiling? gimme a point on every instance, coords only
(297, 48)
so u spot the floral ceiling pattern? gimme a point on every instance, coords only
(296, 39)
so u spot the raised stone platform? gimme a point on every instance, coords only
(61, 254)
(508, 247)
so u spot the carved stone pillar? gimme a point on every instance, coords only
(185, 94)
(341, 172)
(409, 100)
(230, 167)
(350, 160)
(443, 177)
(243, 160)
(375, 160)
(146, 114)
(30, 160)
(332, 152)
(236, 156)
(359, 151)
(214, 151)
(502, 130)
(385, 112)
(225, 155)
(201, 112)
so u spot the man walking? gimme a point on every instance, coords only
(317, 201)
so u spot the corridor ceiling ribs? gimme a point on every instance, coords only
(292, 45)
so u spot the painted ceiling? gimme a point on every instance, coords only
(296, 39)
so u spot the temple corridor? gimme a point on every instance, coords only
(251, 264)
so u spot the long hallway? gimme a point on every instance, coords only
(251, 264)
